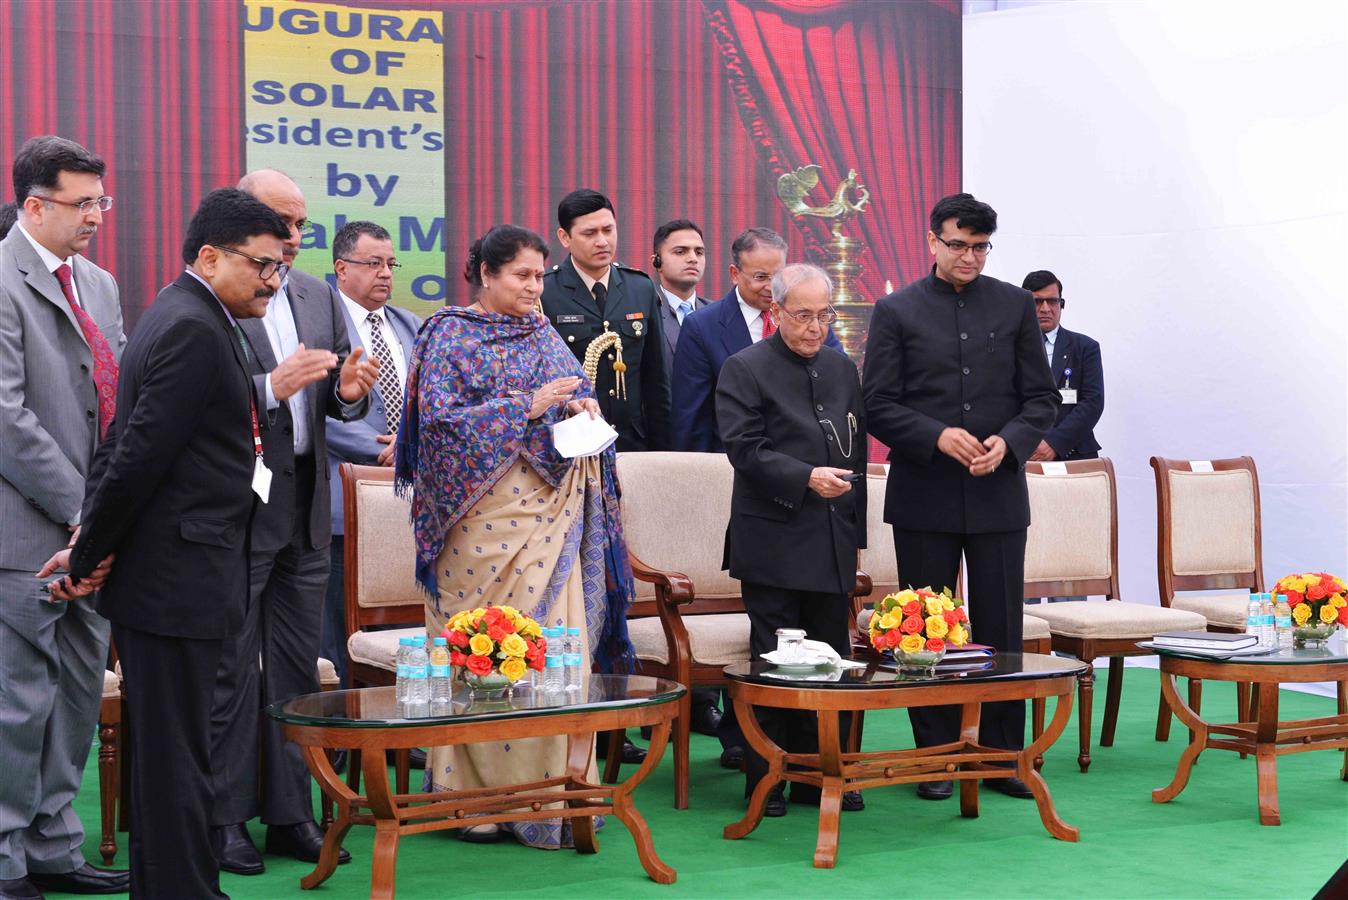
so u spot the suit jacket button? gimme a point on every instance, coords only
(968, 406)
(612, 392)
(570, 338)
(960, 304)
(819, 406)
(964, 335)
(83, 367)
(966, 370)
(89, 413)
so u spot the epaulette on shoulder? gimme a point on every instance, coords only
(552, 271)
(627, 268)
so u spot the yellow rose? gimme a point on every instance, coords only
(936, 626)
(1301, 613)
(1311, 580)
(514, 668)
(1297, 583)
(513, 645)
(947, 604)
(1329, 614)
(888, 621)
(481, 645)
(530, 629)
(958, 636)
(934, 606)
(911, 643)
(1337, 601)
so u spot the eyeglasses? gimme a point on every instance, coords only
(1051, 301)
(266, 268)
(824, 319)
(300, 225)
(959, 247)
(374, 264)
(84, 206)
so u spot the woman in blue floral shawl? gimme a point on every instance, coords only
(498, 515)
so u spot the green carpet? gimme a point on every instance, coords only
(1206, 843)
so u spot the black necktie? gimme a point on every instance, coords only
(243, 342)
(600, 294)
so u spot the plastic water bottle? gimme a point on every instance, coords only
(1252, 617)
(441, 689)
(1268, 633)
(571, 660)
(1282, 620)
(400, 682)
(418, 679)
(554, 679)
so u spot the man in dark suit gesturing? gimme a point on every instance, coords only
(1077, 372)
(713, 335)
(957, 386)
(304, 370)
(170, 495)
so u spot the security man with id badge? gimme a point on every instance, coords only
(1077, 372)
(609, 316)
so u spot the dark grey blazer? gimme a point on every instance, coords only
(48, 405)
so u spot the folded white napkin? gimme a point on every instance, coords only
(813, 653)
(582, 436)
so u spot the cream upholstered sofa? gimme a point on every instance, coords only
(1072, 548)
(1208, 537)
(688, 620)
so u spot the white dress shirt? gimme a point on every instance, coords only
(279, 323)
(52, 262)
(1052, 340)
(752, 318)
(361, 316)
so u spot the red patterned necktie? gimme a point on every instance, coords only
(105, 364)
(769, 326)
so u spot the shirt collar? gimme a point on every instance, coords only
(206, 284)
(357, 312)
(49, 259)
(750, 312)
(1052, 335)
(941, 286)
(590, 282)
(674, 299)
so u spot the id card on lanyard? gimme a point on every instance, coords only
(261, 474)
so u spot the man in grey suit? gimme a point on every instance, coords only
(60, 342)
(364, 263)
(679, 257)
(304, 368)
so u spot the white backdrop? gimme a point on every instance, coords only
(1181, 168)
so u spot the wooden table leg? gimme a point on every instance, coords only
(1343, 710)
(1198, 740)
(760, 742)
(1266, 755)
(830, 790)
(320, 766)
(969, 718)
(384, 859)
(627, 813)
(1025, 770)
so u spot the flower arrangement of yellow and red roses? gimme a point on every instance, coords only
(1316, 598)
(919, 619)
(497, 638)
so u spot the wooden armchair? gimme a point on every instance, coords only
(1072, 548)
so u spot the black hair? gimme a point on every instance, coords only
(9, 214)
(664, 231)
(1040, 279)
(41, 160)
(967, 212)
(750, 238)
(228, 217)
(581, 203)
(498, 246)
(349, 235)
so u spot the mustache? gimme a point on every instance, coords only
(89, 229)
(263, 292)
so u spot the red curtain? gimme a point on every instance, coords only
(154, 88)
(864, 85)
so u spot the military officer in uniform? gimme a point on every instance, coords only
(589, 295)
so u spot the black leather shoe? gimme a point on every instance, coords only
(302, 841)
(18, 889)
(234, 850)
(775, 806)
(706, 719)
(808, 796)
(339, 761)
(936, 790)
(416, 758)
(732, 758)
(84, 880)
(1011, 787)
(631, 752)
(852, 802)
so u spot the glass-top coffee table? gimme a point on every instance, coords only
(370, 721)
(1007, 676)
(1261, 734)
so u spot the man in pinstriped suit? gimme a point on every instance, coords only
(60, 338)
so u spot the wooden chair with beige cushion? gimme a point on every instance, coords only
(381, 587)
(688, 621)
(1072, 548)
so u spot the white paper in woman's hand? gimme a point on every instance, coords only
(582, 436)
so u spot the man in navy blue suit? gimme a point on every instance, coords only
(1077, 373)
(363, 260)
(712, 335)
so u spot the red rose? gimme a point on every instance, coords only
(457, 658)
(1294, 597)
(1343, 615)
(883, 639)
(911, 625)
(537, 663)
(496, 633)
(952, 618)
(912, 608)
(531, 651)
(963, 616)
(493, 615)
(507, 626)
(935, 645)
(1316, 592)
(458, 638)
(479, 665)
(542, 644)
